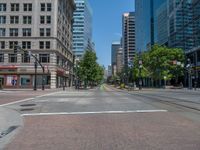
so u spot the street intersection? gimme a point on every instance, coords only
(105, 118)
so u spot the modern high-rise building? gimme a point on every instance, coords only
(119, 60)
(128, 37)
(146, 30)
(181, 24)
(43, 28)
(184, 31)
(162, 25)
(114, 48)
(82, 28)
(109, 70)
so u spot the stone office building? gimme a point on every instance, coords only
(43, 27)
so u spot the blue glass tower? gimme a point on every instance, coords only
(146, 30)
(82, 28)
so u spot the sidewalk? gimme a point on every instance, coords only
(10, 123)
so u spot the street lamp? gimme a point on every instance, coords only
(165, 78)
(140, 76)
(189, 67)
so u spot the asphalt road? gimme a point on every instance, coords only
(109, 119)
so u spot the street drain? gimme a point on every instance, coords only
(27, 105)
(9, 130)
(27, 109)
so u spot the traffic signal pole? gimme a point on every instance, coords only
(26, 53)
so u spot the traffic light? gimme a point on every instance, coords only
(26, 54)
(15, 49)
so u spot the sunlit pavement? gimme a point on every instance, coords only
(108, 119)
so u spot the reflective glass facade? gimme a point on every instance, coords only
(82, 27)
(146, 30)
(161, 37)
(184, 24)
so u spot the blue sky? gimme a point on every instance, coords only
(107, 24)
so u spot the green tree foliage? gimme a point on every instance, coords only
(88, 70)
(160, 61)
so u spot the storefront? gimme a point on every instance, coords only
(11, 78)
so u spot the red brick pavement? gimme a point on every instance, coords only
(134, 131)
(16, 95)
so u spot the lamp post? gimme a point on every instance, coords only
(189, 66)
(140, 76)
(165, 82)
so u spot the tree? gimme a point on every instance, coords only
(89, 70)
(160, 62)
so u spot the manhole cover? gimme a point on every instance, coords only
(27, 109)
(27, 105)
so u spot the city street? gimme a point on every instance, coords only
(104, 118)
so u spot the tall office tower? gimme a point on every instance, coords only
(162, 25)
(82, 28)
(146, 29)
(181, 24)
(109, 70)
(128, 34)
(184, 31)
(114, 48)
(42, 27)
(119, 60)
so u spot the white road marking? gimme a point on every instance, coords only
(98, 112)
(28, 99)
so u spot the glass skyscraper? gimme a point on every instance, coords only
(161, 25)
(82, 28)
(184, 31)
(146, 30)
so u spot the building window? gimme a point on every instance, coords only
(2, 19)
(26, 32)
(2, 7)
(12, 44)
(12, 58)
(48, 32)
(42, 19)
(13, 32)
(27, 7)
(26, 45)
(14, 7)
(48, 45)
(14, 19)
(44, 58)
(48, 19)
(1, 58)
(49, 7)
(41, 31)
(41, 44)
(27, 19)
(25, 58)
(2, 32)
(42, 6)
(2, 44)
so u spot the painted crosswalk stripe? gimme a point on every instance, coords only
(98, 112)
